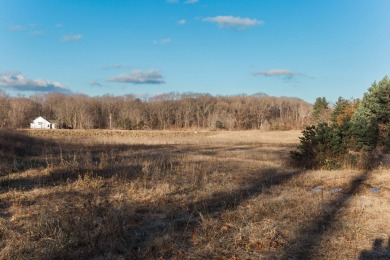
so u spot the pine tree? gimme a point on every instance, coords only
(344, 110)
(372, 118)
(320, 110)
(377, 100)
(364, 130)
(338, 109)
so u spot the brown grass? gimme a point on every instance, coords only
(182, 195)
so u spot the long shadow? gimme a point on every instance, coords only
(223, 201)
(188, 216)
(61, 176)
(377, 252)
(16, 150)
(55, 175)
(33, 153)
(20, 153)
(310, 237)
(141, 231)
(136, 232)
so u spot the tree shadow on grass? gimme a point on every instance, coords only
(141, 225)
(310, 237)
(62, 176)
(95, 227)
(184, 218)
(377, 252)
(56, 163)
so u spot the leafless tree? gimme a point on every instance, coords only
(165, 111)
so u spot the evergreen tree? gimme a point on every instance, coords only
(364, 130)
(361, 126)
(338, 109)
(344, 110)
(377, 100)
(320, 110)
(306, 154)
(372, 118)
(321, 146)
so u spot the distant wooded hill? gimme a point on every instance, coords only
(166, 111)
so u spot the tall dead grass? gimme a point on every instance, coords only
(213, 195)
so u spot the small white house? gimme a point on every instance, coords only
(42, 123)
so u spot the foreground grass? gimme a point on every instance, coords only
(129, 194)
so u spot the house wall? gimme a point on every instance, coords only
(40, 123)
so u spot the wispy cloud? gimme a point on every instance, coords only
(30, 29)
(36, 33)
(182, 22)
(114, 66)
(17, 28)
(162, 41)
(26, 27)
(58, 25)
(283, 73)
(191, 1)
(16, 81)
(233, 21)
(72, 37)
(140, 77)
(185, 2)
(96, 83)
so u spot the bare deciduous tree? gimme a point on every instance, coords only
(165, 111)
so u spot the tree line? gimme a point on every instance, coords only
(165, 111)
(349, 135)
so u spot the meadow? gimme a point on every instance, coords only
(110, 194)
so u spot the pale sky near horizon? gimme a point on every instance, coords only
(302, 48)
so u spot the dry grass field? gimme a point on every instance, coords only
(69, 194)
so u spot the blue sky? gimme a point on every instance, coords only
(304, 49)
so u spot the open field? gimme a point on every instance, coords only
(183, 195)
(170, 137)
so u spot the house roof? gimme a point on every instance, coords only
(53, 121)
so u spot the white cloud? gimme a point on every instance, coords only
(182, 22)
(191, 1)
(233, 21)
(114, 66)
(16, 81)
(284, 73)
(275, 72)
(162, 41)
(140, 77)
(72, 38)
